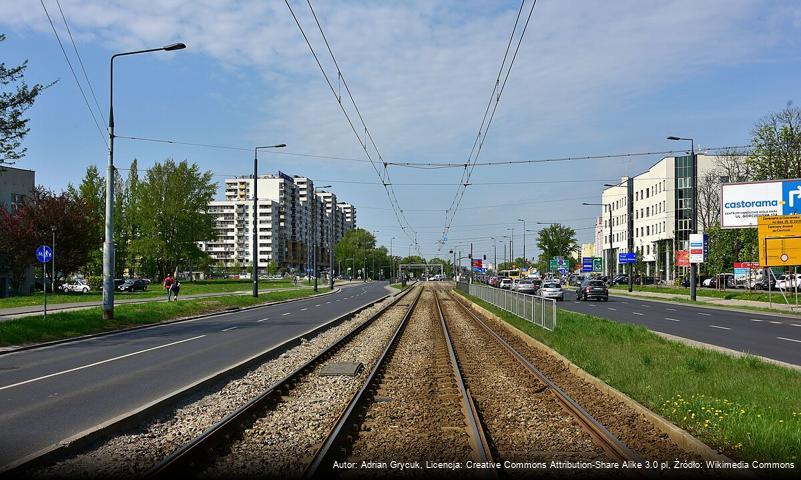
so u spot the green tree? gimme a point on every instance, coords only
(447, 266)
(171, 214)
(556, 241)
(16, 96)
(92, 194)
(727, 246)
(354, 248)
(776, 145)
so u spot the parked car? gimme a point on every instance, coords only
(551, 290)
(763, 284)
(645, 280)
(505, 283)
(592, 289)
(620, 280)
(723, 280)
(786, 282)
(77, 286)
(133, 285)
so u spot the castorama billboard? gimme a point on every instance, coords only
(742, 203)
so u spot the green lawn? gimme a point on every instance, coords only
(729, 294)
(154, 290)
(744, 407)
(399, 286)
(36, 329)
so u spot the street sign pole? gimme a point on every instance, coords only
(44, 254)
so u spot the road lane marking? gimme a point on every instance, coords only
(625, 303)
(718, 326)
(99, 363)
(638, 313)
(789, 339)
(704, 314)
(775, 322)
(593, 305)
(795, 324)
(285, 314)
(672, 319)
(304, 309)
(327, 302)
(317, 305)
(613, 309)
(671, 309)
(756, 320)
(262, 320)
(644, 305)
(228, 329)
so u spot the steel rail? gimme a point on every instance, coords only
(602, 437)
(475, 430)
(196, 452)
(345, 422)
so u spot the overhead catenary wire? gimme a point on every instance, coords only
(74, 75)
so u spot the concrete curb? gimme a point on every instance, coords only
(130, 419)
(682, 438)
(154, 325)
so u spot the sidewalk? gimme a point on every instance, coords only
(715, 302)
(30, 310)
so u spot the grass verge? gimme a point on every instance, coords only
(730, 294)
(743, 407)
(153, 291)
(62, 325)
(399, 286)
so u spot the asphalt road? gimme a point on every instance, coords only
(766, 335)
(51, 393)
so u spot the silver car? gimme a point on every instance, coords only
(526, 285)
(551, 290)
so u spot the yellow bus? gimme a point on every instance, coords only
(513, 274)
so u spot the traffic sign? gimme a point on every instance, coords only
(629, 257)
(562, 271)
(44, 254)
(552, 266)
(587, 264)
(597, 264)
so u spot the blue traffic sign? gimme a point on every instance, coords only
(44, 254)
(629, 257)
(586, 264)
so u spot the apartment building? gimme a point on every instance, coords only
(15, 185)
(662, 215)
(293, 221)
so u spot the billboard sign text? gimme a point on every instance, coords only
(742, 203)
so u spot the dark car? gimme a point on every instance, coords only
(645, 280)
(686, 281)
(592, 289)
(133, 285)
(620, 280)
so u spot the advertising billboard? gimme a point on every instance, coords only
(699, 247)
(742, 203)
(682, 258)
(780, 241)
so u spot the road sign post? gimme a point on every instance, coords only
(44, 254)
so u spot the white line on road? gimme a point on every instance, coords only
(262, 320)
(285, 314)
(704, 314)
(756, 320)
(672, 319)
(100, 362)
(718, 326)
(796, 324)
(613, 309)
(671, 309)
(789, 339)
(317, 305)
(775, 322)
(593, 305)
(327, 303)
(304, 309)
(644, 305)
(638, 313)
(229, 328)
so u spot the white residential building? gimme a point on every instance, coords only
(662, 211)
(291, 218)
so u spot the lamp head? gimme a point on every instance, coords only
(673, 138)
(174, 46)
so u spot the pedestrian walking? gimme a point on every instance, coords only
(167, 283)
(176, 287)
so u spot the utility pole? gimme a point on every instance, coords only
(630, 225)
(331, 244)
(524, 237)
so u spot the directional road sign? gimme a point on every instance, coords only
(629, 257)
(44, 254)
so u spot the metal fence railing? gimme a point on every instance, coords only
(537, 310)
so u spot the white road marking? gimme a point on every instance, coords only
(672, 319)
(317, 305)
(227, 329)
(756, 320)
(327, 302)
(671, 309)
(775, 322)
(638, 313)
(644, 305)
(795, 324)
(722, 328)
(285, 314)
(789, 339)
(262, 320)
(704, 314)
(99, 363)
(613, 309)
(625, 303)
(304, 309)
(593, 305)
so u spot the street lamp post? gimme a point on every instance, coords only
(511, 244)
(108, 244)
(694, 215)
(53, 279)
(254, 234)
(524, 237)
(391, 261)
(495, 248)
(314, 234)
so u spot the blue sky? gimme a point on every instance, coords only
(590, 78)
